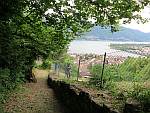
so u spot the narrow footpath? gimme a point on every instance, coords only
(34, 98)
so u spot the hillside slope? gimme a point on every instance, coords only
(125, 34)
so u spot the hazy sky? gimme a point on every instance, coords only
(142, 27)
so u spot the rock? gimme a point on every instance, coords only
(147, 107)
(132, 106)
(84, 95)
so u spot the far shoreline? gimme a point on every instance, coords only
(124, 42)
(100, 47)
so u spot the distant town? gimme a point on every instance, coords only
(140, 49)
(87, 60)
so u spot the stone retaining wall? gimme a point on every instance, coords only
(74, 99)
(78, 101)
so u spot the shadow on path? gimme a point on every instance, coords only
(34, 98)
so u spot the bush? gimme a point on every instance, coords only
(5, 85)
(96, 70)
(74, 70)
(5, 80)
(110, 86)
(135, 69)
(8, 82)
(95, 81)
(110, 74)
(140, 93)
(45, 65)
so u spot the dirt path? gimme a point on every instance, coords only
(35, 98)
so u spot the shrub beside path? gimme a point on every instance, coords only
(34, 98)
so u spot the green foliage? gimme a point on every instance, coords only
(28, 31)
(135, 69)
(110, 74)
(127, 80)
(140, 93)
(7, 81)
(46, 64)
(74, 70)
(4, 78)
(128, 89)
(8, 84)
(95, 81)
(145, 72)
(67, 59)
(96, 70)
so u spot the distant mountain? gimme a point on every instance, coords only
(125, 34)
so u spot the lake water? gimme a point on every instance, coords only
(100, 47)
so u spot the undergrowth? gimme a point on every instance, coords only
(8, 85)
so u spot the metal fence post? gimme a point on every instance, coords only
(101, 85)
(78, 68)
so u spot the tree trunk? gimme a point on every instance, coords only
(30, 77)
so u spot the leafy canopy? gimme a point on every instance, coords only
(43, 28)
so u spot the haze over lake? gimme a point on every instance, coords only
(100, 47)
